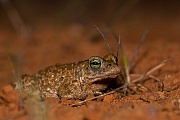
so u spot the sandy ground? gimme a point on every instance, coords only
(49, 45)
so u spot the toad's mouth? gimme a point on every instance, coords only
(94, 79)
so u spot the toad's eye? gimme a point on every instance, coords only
(95, 64)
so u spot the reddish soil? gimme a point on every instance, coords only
(56, 43)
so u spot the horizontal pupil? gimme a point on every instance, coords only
(95, 63)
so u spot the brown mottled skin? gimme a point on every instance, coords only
(73, 81)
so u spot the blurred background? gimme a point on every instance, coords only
(39, 33)
(134, 13)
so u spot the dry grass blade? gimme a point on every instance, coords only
(19, 82)
(111, 92)
(11, 65)
(104, 38)
(134, 56)
(162, 84)
(119, 44)
(152, 69)
(148, 72)
(16, 77)
(127, 67)
(138, 47)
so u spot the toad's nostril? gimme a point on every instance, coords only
(109, 65)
